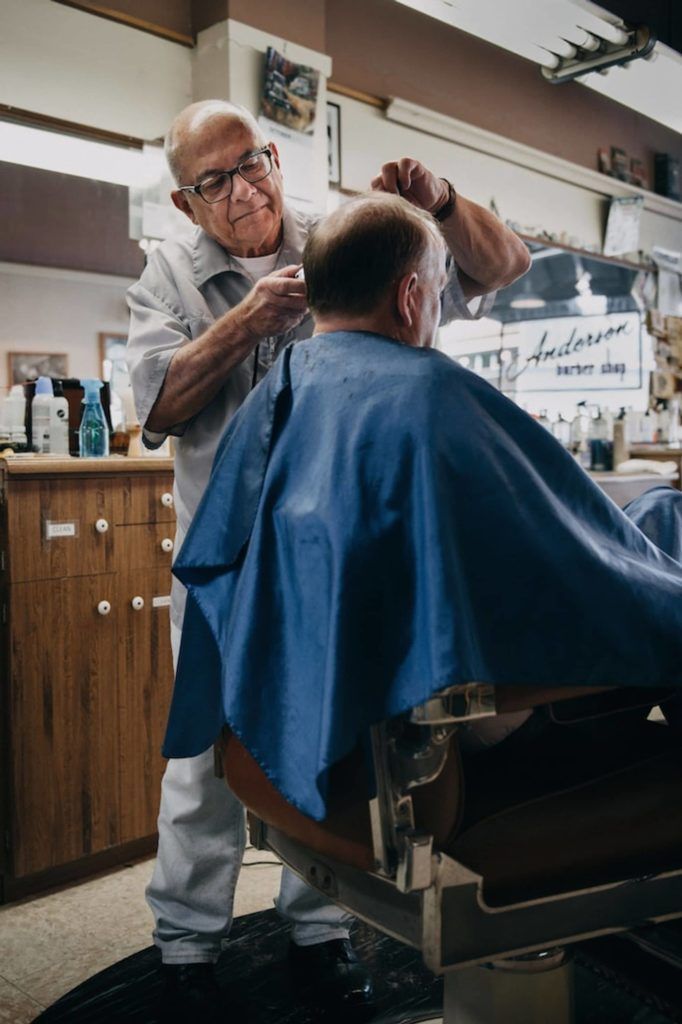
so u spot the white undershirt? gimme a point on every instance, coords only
(256, 267)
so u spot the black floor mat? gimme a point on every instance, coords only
(616, 982)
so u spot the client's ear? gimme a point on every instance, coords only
(405, 298)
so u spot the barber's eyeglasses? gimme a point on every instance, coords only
(218, 186)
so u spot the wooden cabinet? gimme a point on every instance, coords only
(85, 555)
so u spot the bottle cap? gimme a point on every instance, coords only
(44, 386)
(91, 388)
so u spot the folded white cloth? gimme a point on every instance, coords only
(658, 468)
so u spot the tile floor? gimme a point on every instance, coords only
(51, 943)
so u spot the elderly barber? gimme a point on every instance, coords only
(208, 317)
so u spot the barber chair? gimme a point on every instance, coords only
(491, 885)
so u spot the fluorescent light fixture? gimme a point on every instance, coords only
(67, 154)
(538, 31)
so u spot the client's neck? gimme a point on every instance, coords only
(372, 324)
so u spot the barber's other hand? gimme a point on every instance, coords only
(275, 304)
(409, 178)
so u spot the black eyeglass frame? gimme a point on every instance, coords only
(196, 189)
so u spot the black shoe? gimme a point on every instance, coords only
(191, 994)
(330, 974)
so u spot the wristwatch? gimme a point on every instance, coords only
(449, 204)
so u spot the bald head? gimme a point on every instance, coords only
(354, 256)
(195, 120)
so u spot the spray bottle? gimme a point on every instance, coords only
(93, 434)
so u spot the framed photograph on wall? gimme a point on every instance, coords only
(112, 351)
(23, 366)
(334, 143)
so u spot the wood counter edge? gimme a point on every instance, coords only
(21, 465)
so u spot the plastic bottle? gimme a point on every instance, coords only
(15, 416)
(620, 450)
(40, 415)
(561, 429)
(544, 420)
(601, 445)
(93, 433)
(674, 425)
(59, 421)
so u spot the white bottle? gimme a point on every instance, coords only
(59, 422)
(15, 410)
(40, 415)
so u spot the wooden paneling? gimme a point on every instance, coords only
(139, 499)
(59, 220)
(64, 714)
(145, 682)
(85, 690)
(63, 500)
(139, 546)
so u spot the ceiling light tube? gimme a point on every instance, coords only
(612, 33)
(550, 60)
(585, 40)
(564, 49)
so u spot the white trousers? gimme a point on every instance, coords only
(202, 834)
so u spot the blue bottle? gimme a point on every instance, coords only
(93, 433)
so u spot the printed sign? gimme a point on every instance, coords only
(55, 530)
(593, 353)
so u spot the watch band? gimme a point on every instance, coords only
(449, 204)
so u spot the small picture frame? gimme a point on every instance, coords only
(112, 349)
(23, 366)
(334, 143)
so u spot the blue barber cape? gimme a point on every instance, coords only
(380, 523)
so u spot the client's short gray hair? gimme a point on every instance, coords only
(354, 255)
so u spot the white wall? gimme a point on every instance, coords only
(48, 310)
(229, 62)
(68, 64)
(535, 191)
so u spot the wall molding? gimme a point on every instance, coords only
(442, 126)
(142, 24)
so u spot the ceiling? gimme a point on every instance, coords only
(537, 29)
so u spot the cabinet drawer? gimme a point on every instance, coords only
(145, 545)
(145, 499)
(60, 527)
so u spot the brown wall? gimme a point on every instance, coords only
(58, 220)
(301, 21)
(384, 48)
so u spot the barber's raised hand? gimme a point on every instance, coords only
(275, 304)
(409, 178)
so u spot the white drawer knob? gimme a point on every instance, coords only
(137, 603)
(101, 526)
(166, 544)
(167, 499)
(104, 607)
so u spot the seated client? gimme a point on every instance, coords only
(381, 524)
